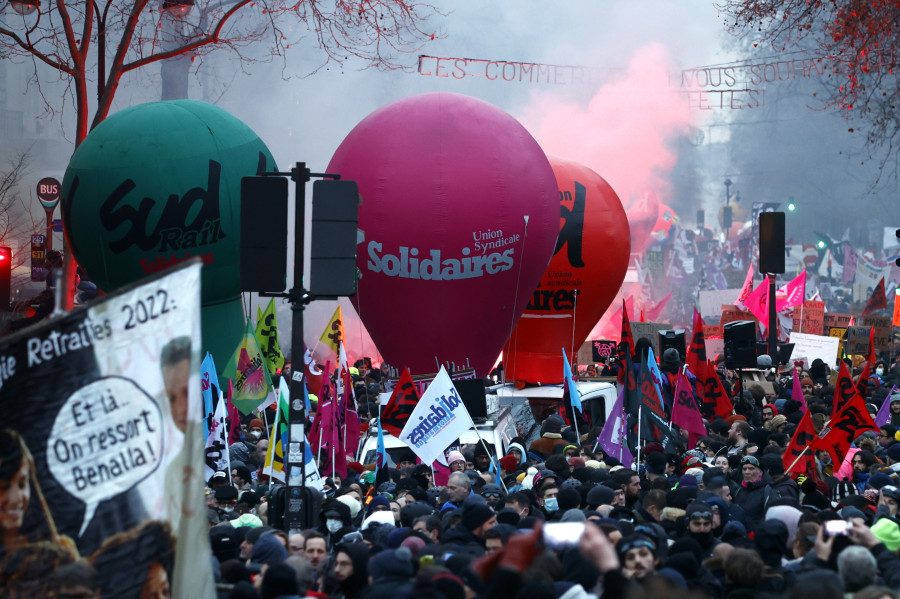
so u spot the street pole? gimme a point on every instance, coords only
(773, 335)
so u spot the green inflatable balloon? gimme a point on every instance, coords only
(156, 184)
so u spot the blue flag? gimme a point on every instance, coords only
(574, 395)
(209, 383)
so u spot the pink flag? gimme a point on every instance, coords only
(348, 417)
(747, 286)
(797, 391)
(685, 411)
(792, 294)
(758, 302)
(325, 434)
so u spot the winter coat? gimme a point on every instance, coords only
(754, 498)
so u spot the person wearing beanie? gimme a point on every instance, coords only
(773, 465)
(776, 424)
(390, 571)
(768, 412)
(256, 430)
(755, 493)
(279, 581)
(241, 478)
(468, 534)
(456, 461)
(637, 554)
(698, 519)
(551, 437)
(508, 465)
(268, 549)
(600, 495)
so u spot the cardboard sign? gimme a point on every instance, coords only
(809, 347)
(857, 341)
(650, 330)
(654, 261)
(809, 318)
(733, 313)
(584, 355)
(714, 346)
(883, 328)
(836, 319)
(840, 333)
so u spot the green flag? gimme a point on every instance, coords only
(248, 372)
(267, 337)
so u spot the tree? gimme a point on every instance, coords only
(17, 223)
(138, 33)
(854, 43)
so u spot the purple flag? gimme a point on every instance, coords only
(884, 413)
(797, 391)
(612, 437)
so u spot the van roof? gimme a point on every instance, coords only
(548, 391)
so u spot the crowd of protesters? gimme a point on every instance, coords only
(720, 519)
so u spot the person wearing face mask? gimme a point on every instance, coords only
(335, 521)
(549, 501)
(255, 430)
(492, 495)
(895, 408)
(699, 522)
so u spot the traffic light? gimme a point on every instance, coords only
(821, 244)
(5, 277)
(791, 207)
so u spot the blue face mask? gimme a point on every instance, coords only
(551, 505)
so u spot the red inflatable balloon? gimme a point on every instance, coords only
(582, 279)
(459, 222)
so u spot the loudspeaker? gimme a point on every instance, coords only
(771, 242)
(472, 392)
(672, 338)
(263, 230)
(701, 219)
(740, 344)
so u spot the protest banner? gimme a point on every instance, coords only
(715, 347)
(883, 328)
(836, 320)
(841, 334)
(733, 313)
(809, 347)
(438, 419)
(809, 318)
(857, 341)
(102, 408)
(650, 330)
(713, 330)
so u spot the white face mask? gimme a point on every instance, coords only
(333, 525)
(255, 434)
(879, 371)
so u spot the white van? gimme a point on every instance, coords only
(496, 431)
(597, 398)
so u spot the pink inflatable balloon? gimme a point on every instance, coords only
(460, 217)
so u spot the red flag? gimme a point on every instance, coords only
(626, 344)
(685, 411)
(696, 353)
(401, 404)
(654, 312)
(758, 302)
(878, 301)
(715, 401)
(799, 457)
(851, 420)
(862, 385)
(871, 358)
(844, 389)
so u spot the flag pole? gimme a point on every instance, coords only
(493, 462)
(794, 463)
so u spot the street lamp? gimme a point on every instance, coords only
(24, 7)
(178, 8)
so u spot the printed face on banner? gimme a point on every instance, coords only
(100, 443)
